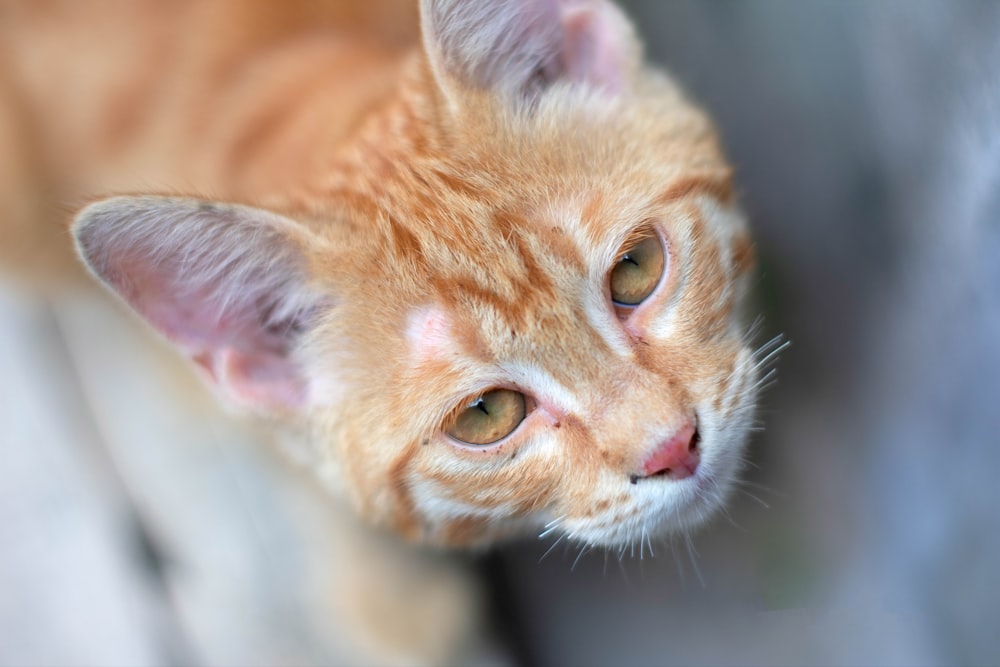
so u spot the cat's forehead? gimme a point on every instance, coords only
(512, 223)
(578, 183)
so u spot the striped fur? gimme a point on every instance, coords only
(457, 222)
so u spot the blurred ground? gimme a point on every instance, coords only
(867, 143)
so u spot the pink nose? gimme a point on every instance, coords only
(677, 457)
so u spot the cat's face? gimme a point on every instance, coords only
(545, 329)
(526, 313)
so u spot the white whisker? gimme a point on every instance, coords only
(678, 562)
(585, 549)
(754, 328)
(762, 488)
(551, 547)
(692, 555)
(754, 498)
(549, 528)
(778, 342)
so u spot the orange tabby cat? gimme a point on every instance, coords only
(497, 278)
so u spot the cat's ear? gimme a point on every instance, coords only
(227, 284)
(520, 47)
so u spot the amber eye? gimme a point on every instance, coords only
(637, 273)
(492, 416)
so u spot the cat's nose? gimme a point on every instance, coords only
(676, 457)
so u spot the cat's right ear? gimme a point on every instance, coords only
(518, 48)
(227, 284)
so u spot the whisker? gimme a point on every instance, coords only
(678, 562)
(732, 522)
(551, 547)
(754, 498)
(763, 488)
(769, 346)
(549, 528)
(571, 540)
(765, 385)
(692, 555)
(585, 549)
(621, 566)
(764, 379)
(771, 357)
(754, 328)
(719, 495)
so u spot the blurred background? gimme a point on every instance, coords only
(866, 138)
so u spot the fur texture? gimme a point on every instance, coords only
(440, 222)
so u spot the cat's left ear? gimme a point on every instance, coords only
(227, 284)
(518, 48)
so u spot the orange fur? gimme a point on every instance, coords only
(414, 189)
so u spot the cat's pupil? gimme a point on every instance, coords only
(637, 273)
(489, 418)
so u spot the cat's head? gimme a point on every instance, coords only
(514, 306)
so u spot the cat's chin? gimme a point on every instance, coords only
(694, 501)
(666, 508)
(690, 506)
(661, 507)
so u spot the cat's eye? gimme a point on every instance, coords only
(637, 273)
(491, 417)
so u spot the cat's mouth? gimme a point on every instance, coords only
(676, 458)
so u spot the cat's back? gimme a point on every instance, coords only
(94, 77)
(109, 96)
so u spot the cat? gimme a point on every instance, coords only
(499, 279)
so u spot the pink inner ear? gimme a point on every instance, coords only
(255, 379)
(520, 46)
(430, 334)
(223, 282)
(250, 364)
(593, 52)
(238, 351)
